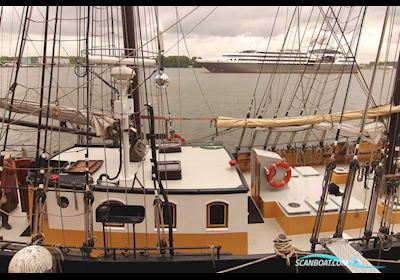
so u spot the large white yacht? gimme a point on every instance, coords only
(323, 61)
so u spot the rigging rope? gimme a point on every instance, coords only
(378, 169)
(179, 72)
(354, 164)
(266, 50)
(287, 83)
(352, 55)
(317, 106)
(312, 80)
(253, 99)
(300, 83)
(332, 164)
(283, 249)
(51, 76)
(195, 75)
(349, 82)
(191, 30)
(24, 32)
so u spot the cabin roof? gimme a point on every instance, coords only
(203, 169)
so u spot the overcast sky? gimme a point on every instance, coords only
(249, 27)
(225, 29)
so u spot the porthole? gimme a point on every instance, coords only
(63, 202)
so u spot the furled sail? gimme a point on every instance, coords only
(372, 131)
(103, 124)
(379, 111)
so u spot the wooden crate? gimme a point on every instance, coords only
(339, 178)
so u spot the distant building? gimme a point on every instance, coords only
(63, 60)
(27, 61)
(30, 60)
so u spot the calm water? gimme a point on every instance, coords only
(226, 95)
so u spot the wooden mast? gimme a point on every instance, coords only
(128, 27)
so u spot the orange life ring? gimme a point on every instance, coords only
(271, 172)
(177, 136)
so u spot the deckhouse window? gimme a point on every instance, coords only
(217, 215)
(165, 215)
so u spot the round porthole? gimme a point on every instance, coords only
(63, 202)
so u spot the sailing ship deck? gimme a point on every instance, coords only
(259, 234)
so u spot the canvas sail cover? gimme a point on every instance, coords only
(372, 131)
(101, 123)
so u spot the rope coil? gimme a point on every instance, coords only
(283, 248)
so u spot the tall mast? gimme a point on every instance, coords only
(128, 27)
(394, 131)
(40, 192)
(391, 177)
(130, 44)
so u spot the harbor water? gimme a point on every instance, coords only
(195, 92)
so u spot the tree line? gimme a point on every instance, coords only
(381, 63)
(173, 61)
(181, 61)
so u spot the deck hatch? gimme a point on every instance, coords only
(170, 170)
